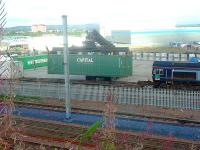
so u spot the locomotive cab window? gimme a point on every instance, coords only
(154, 71)
(159, 71)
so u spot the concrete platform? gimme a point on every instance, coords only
(142, 71)
(42, 73)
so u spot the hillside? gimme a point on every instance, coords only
(54, 27)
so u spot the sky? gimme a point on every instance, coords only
(115, 14)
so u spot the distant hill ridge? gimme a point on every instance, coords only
(55, 27)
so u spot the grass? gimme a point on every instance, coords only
(22, 98)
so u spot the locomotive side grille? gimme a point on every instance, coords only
(184, 75)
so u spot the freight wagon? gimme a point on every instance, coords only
(30, 62)
(92, 66)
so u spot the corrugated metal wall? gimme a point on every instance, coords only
(92, 65)
(30, 62)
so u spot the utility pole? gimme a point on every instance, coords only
(66, 69)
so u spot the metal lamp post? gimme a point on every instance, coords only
(66, 69)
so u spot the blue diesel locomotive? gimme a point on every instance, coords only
(169, 72)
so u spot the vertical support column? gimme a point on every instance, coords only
(66, 69)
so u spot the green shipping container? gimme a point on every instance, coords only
(92, 65)
(30, 62)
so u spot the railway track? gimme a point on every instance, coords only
(177, 86)
(48, 133)
(54, 134)
(88, 82)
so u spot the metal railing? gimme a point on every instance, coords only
(183, 99)
(164, 56)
